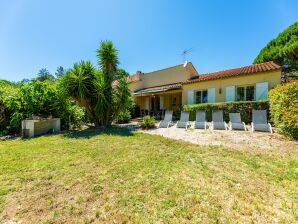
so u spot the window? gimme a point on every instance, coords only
(245, 93)
(250, 93)
(240, 96)
(201, 96)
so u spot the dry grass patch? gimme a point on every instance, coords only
(118, 176)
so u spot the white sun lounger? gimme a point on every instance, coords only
(235, 122)
(259, 121)
(217, 120)
(167, 121)
(184, 120)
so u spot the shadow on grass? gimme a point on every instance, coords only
(91, 132)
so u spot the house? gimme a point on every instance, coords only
(173, 87)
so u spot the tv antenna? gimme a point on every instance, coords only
(185, 53)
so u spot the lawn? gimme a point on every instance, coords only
(118, 176)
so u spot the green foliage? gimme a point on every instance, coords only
(243, 107)
(283, 50)
(284, 108)
(42, 98)
(60, 72)
(103, 93)
(135, 111)
(6, 90)
(147, 122)
(44, 75)
(123, 117)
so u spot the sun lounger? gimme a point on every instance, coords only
(167, 121)
(200, 122)
(184, 120)
(259, 121)
(217, 120)
(235, 122)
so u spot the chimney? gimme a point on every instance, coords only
(139, 75)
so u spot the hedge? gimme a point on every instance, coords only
(243, 107)
(284, 108)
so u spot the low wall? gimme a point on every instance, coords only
(32, 128)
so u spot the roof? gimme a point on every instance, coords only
(162, 88)
(186, 63)
(263, 67)
(137, 77)
(133, 78)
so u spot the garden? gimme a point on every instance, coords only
(106, 174)
(121, 176)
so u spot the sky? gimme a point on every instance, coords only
(149, 35)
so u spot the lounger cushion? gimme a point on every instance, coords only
(262, 127)
(259, 116)
(219, 126)
(200, 125)
(239, 126)
(164, 124)
(217, 116)
(182, 124)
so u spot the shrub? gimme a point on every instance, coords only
(147, 122)
(135, 111)
(123, 117)
(243, 107)
(36, 98)
(7, 90)
(284, 108)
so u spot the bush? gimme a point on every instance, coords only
(123, 117)
(243, 107)
(284, 108)
(135, 111)
(36, 98)
(147, 122)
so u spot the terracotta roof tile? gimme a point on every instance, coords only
(263, 67)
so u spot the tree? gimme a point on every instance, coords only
(104, 93)
(282, 50)
(59, 72)
(44, 74)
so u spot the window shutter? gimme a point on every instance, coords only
(262, 91)
(211, 95)
(230, 93)
(161, 102)
(190, 96)
(147, 103)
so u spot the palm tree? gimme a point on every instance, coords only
(103, 93)
(108, 62)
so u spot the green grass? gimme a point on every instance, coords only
(121, 176)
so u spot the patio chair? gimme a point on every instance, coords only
(235, 122)
(167, 121)
(259, 121)
(184, 120)
(200, 122)
(217, 120)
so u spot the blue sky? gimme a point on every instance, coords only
(149, 35)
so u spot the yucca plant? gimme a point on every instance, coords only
(147, 122)
(104, 93)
